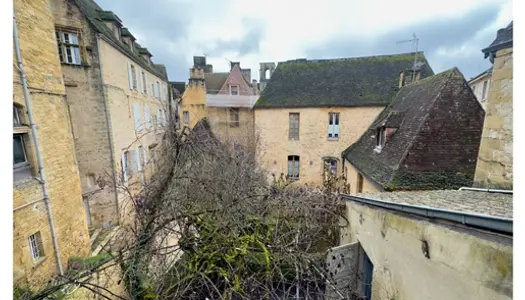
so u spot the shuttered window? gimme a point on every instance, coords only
(124, 163)
(147, 116)
(294, 126)
(136, 116)
(333, 125)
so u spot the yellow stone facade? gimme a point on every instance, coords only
(101, 103)
(48, 100)
(494, 166)
(313, 146)
(358, 182)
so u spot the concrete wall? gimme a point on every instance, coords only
(272, 128)
(39, 56)
(494, 166)
(352, 175)
(463, 264)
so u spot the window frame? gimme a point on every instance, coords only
(63, 46)
(234, 117)
(380, 138)
(25, 164)
(334, 120)
(36, 246)
(294, 132)
(236, 89)
(21, 170)
(144, 83)
(485, 91)
(134, 79)
(186, 117)
(295, 169)
(327, 165)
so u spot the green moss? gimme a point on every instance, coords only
(81, 263)
(404, 180)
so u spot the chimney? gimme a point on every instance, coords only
(409, 76)
(199, 62)
(233, 63)
(208, 68)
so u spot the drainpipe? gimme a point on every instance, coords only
(37, 146)
(108, 122)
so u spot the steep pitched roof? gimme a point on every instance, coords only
(407, 112)
(214, 81)
(504, 39)
(358, 81)
(95, 15)
(236, 77)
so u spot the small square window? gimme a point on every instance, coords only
(36, 247)
(234, 117)
(234, 90)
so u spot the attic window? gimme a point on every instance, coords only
(380, 138)
(234, 90)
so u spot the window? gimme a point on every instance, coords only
(159, 118)
(330, 165)
(21, 166)
(380, 138)
(294, 126)
(186, 117)
(234, 90)
(293, 167)
(234, 117)
(136, 117)
(35, 246)
(485, 90)
(333, 126)
(147, 116)
(144, 85)
(124, 164)
(153, 89)
(141, 163)
(133, 77)
(68, 47)
(157, 89)
(359, 183)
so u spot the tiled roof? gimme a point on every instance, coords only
(407, 112)
(358, 81)
(214, 81)
(493, 204)
(504, 39)
(95, 15)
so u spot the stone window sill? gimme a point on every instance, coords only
(37, 263)
(378, 149)
(333, 139)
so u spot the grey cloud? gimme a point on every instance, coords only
(434, 34)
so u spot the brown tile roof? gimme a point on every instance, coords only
(492, 204)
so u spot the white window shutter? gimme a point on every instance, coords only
(147, 116)
(146, 87)
(336, 130)
(136, 116)
(138, 159)
(124, 166)
(137, 75)
(130, 76)
(145, 154)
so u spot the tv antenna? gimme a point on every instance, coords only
(415, 42)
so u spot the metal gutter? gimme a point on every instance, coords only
(487, 222)
(41, 171)
(486, 190)
(109, 127)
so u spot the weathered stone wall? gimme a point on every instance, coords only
(462, 264)
(494, 166)
(41, 63)
(194, 102)
(244, 135)
(86, 104)
(273, 145)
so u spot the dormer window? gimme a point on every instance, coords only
(234, 90)
(116, 31)
(380, 138)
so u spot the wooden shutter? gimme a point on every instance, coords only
(330, 125)
(124, 164)
(136, 116)
(130, 76)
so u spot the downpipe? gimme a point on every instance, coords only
(486, 190)
(32, 125)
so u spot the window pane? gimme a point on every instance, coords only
(296, 167)
(76, 53)
(336, 119)
(19, 154)
(290, 166)
(330, 119)
(73, 39)
(66, 37)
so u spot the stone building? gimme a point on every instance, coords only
(311, 110)
(48, 219)
(225, 99)
(480, 85)
(494, 168)
(427, 138)
(425, 245)
(118, 102)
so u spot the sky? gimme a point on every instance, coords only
(451, 32)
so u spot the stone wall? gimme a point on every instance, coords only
(244, 135)
(193, 102)
(461, 263)
(352, 175)
(494, 166)
(274, 147)
(41, 63)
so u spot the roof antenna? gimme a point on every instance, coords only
(415, 42)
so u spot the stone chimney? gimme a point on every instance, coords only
(409, 76)
(233, 63)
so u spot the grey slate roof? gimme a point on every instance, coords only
(492, 204)
(504, 39)
(215, 81)
(358, 81)
(407, 112)
(95, 15)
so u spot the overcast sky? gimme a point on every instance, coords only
(451, 33)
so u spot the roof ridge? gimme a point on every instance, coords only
(349, 58)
